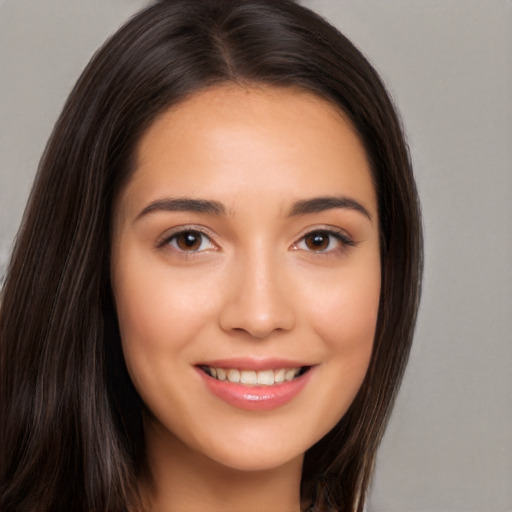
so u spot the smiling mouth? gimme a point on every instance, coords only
(255, 378)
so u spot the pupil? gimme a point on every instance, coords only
(189, 240)
(317, 241)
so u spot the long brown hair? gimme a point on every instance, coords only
(70, 419)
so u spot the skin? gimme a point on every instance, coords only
(254, 285)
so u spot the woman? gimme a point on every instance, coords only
(221, 258)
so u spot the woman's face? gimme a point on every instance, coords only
(246, 246)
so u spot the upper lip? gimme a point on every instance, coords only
(256, 364)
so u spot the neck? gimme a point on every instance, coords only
(184, 480)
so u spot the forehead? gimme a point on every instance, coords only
(231, 141)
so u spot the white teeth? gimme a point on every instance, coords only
(289, 375)
(248, 377)
(254, 378)
(233, 375)
(266, 378)
(279, 376)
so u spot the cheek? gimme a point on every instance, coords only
(345, 315)
(160, 312)
(157, 315)
(345, 320)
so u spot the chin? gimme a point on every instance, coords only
(250, 461)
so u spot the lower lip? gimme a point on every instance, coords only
(256, 398)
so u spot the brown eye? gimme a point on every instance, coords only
(323, 241)
(190, 241)
(317, 241)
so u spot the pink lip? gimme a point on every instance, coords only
(254, 398)
(246, 363)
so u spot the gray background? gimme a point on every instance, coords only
(448, 64)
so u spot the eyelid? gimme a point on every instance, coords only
(344, 239)
(164, 240)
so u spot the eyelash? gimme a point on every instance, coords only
(340, 237)
(343, 241)
(184, 230)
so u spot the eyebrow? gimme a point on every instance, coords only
(184, 204)
(209, 207)
(320, 204)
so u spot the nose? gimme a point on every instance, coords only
(257, 300)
